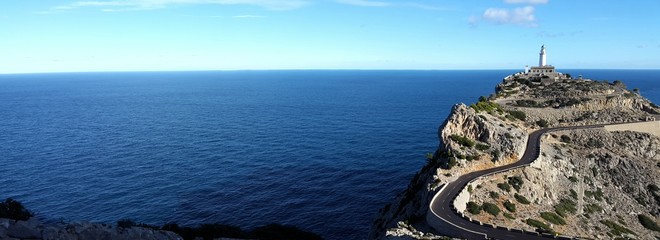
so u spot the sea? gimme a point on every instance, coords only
(321, 150)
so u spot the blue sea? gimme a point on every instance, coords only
(321, 150)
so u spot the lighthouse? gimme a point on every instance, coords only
(542, 56)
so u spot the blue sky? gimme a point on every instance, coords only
(154, 35)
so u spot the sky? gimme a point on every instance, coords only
(178, 35)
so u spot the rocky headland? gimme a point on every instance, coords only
(591, 183)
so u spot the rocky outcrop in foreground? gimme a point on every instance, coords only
(35, 229)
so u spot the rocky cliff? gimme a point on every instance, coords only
(35, 229)
(610, 178)
(472, 138)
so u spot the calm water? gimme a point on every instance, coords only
(322, 150)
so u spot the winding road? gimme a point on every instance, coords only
(443, 214)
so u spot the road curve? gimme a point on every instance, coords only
(442, 208)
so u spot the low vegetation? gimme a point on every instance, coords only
(565, 139)
(511, 207)
(573, 194)
(504, 186)
(482, 147)
(521, 199)
(486, 106)
(598, 194)
(565, 206)
(520, 115)
(542, 123)
(490, 208)
(539, 225)
(473, 208)
(462, 140)
(592, 208)
(494, 195)
(553, 218)
(615, 228)
(648, 222)
(516, 182)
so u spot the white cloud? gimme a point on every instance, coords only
(365, 3)
(523, 16)
(119, 5)
(526, 1)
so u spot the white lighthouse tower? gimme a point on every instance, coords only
(542, 56)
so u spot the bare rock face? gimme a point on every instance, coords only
(596, 182)
(34, 229)
(500, 135)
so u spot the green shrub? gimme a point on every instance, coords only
(542, 123)
(13, 209)
(504, 186)
(482, 147)
(521, 199)
(461, 140)
(553, 218)
(516, 182)
(451, 162)
(565, 139)
(528, 103)
(572, 179)
(473, 208)
(616, 229)
(495, 154)
(491, 208)
(573, 194)
(592, 208)
(489, 107)
(509, 216)
(648, 222)
(494, 195)
(518, 115)
(598, 194)
(511, 207)
(565, 206)
(538, 224)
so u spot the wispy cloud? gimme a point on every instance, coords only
(123, 5)
(374, 3)
(526, 1)
(523, 16)
(365, 3)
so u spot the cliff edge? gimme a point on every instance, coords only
(609, 177)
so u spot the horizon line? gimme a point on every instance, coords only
(302, 69)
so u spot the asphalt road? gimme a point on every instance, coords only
(441, 206)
